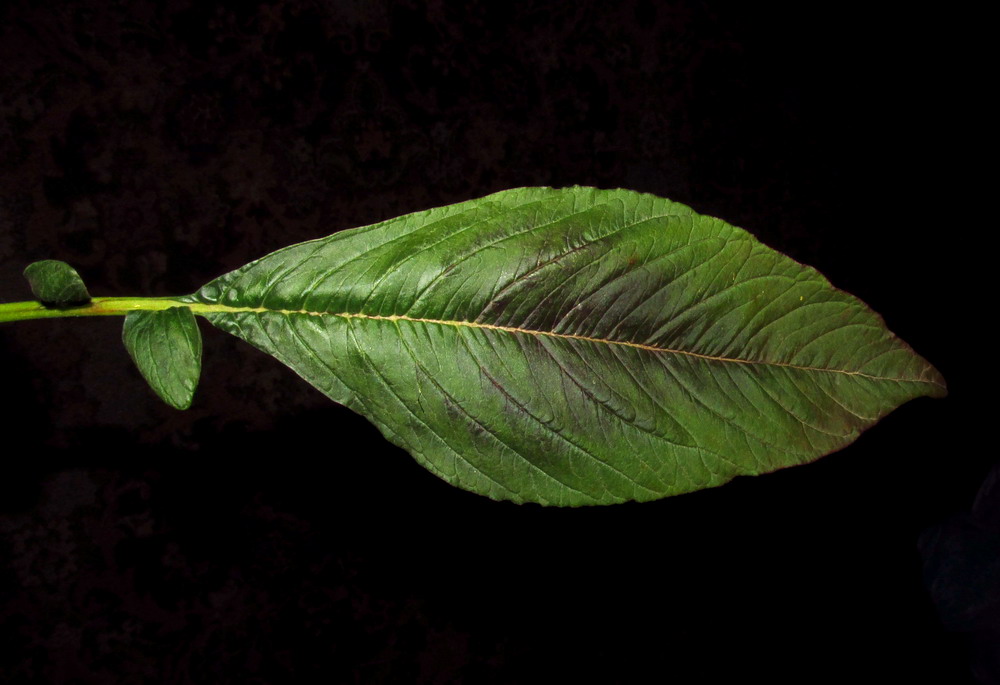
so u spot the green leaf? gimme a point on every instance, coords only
(166, 346)
(575, 346)
(56, 284)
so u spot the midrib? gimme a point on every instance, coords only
(205, 308)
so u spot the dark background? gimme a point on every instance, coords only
(268, 535)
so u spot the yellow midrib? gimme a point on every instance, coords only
(204, 308)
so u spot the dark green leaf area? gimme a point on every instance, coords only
(576, 346)
(56, 284)
(166, 347)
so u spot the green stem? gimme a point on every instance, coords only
(99, 306)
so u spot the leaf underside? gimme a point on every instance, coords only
(575, 346)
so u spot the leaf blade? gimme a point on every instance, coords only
(503, 340)
(56, 284)
(166, 348)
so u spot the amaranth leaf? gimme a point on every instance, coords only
(575, 346)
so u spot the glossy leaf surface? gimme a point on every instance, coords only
(575, 346)
(166, 347)
(56, 284)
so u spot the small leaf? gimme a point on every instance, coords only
(575, 346)
(166, 346)
(56, 284)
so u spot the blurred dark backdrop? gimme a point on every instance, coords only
(267, 535)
